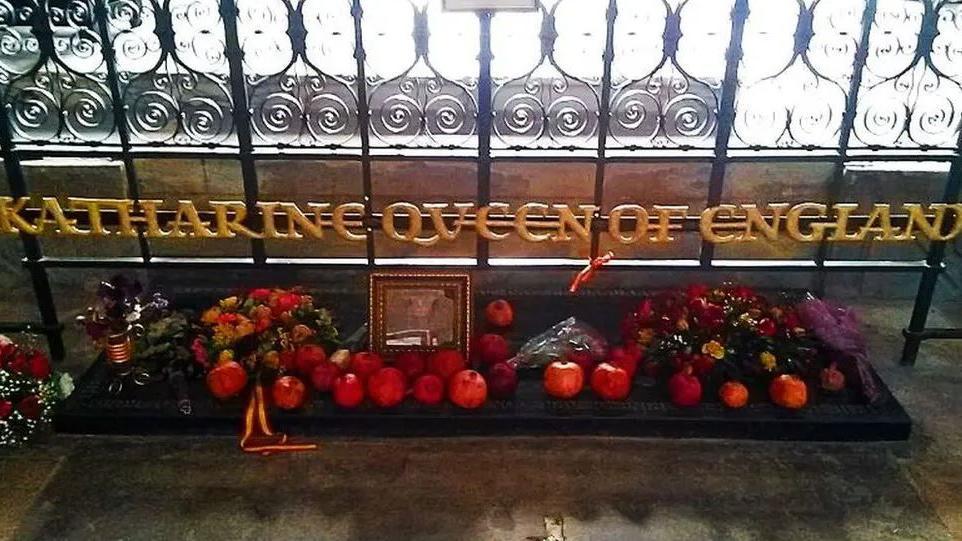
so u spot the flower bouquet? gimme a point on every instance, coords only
(725, 334)
(29, 390)
(259, 335)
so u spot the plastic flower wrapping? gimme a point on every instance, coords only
(29, 392)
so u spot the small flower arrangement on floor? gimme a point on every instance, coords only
(704, 336)
(29, 391)
(264, 332)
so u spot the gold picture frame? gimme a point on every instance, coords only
(419, 311)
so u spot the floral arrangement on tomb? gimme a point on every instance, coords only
(29, 392)
(262, 334)
(731, 338)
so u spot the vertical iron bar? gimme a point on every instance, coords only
(934, 262)
(603, 116)
(363, 114)
(484, 127)
(133, 188)
(242, 112)
(845, 133)
(31, 246)
(726, 116)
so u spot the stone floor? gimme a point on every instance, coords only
(517, 488)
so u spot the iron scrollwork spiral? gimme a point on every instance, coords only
(293, 100)
(656, 101)
(175, 94)
(912, 81)
(56, 86)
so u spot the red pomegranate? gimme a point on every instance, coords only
(563, 379)
(733, 394)
(502, 380)
(499, 313)
(386, 387)
(788, 392)
(323, 376)
(348, 391)
(307, 357)
(468, 389)
(288, 392)
(493, 349)
(365, 363)
(627, 360)
(684, 388)
(446, 363)
(832, 379)
(610, 382)
(429, 389)
(583, 358)
(411, 363)
(226, 379)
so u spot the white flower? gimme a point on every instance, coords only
(66, 385)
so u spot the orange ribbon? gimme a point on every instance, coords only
(258, 436)
(587, 273)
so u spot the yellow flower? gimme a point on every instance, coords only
(211, 315)
(645, 336)
(714, 349)
(767, 358)
(244, 328)
(229, 303)
(225, 356)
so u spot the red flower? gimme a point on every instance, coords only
(227, 319)
(285, 303)
(767, 327)
(30, 407)
(702, 364)
(262, 324)
(645, 310)
(693, 291)
(19, 363)
(743, 292)
(39, 365)
(792, 320)
(6, 408)
(712, 317)
(200, 352)
(260, 294)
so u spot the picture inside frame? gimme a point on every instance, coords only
(419, 312)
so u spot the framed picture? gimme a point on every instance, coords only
(420, 311)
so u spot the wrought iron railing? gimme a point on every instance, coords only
(595, 81)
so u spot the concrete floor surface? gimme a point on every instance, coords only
(517, 488)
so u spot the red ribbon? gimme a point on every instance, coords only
(258, 436)
(587, 273)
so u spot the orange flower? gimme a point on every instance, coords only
(211, 315)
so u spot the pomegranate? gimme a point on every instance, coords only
(502, 380)
(733, 394)
(226, 379)
(467, 389)
(429, 389)
(288, 392)
(307, 357)
(365, 363)
(446, 363)
(386, 387)
(620, 357)
(493, 349)
(563, 379)
(411, 363)
(323, 376)
(610, 382)
(788, 392)
(684, 388)
(348, 391)
(582, 357)
(499, 313)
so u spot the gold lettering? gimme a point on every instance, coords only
(187, 211)
(436, 211)
(484, 222)
(149, 207)
(294, 218)
(414, 223)
(708, 226)
(641, 223)
(842, 213)
(881, 213)
(567, 219)
(918, 218)
(229, 226)
(755, 219)
(792, 225)
(67, 226)
(12, 222)
(664, 225)
(341, 225)
(521, 222)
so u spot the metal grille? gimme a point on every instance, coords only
(592, 81)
